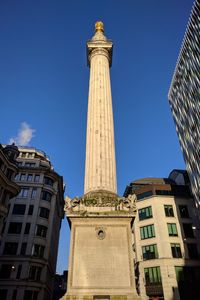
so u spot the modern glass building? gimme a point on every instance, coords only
(184, 99)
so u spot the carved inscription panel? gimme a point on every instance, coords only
(101, 257)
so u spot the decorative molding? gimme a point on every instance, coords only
(100, 203)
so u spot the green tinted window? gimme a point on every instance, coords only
(147, 232)
(152, 275)
(150, 252)
(145, 213)
(172, 230)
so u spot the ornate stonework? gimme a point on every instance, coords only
(99, 204)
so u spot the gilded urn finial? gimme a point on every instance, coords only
(99, 26)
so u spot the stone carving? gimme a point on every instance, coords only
(92, 203)
(130, 202)
(100, 232)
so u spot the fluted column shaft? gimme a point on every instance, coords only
(100, 166)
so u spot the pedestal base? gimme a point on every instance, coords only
(102, 297)
(101, 256)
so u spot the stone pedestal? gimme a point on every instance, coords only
(101, 257)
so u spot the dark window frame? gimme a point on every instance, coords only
(176, 250)
(19, 209)
(145, 213)
(10, 248)
(169, 212)
(149, 252)
(15, 227)
(172, 229)
(183, 210)
(147, 232)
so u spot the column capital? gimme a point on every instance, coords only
(101, 48)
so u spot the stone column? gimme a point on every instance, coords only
(100, 166)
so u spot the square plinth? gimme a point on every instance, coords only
(101, 260)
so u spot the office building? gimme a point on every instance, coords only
(166, 234)
(28, 251)
(184, 95)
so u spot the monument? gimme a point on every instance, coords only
(101, 258)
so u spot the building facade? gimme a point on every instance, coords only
(166, 238)
(184, 95)
(28, 252)
(8, 170)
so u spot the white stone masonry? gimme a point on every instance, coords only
(100, 165)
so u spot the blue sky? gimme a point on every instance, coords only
(44, 83)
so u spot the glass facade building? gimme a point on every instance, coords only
(184, 99)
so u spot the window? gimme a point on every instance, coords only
(14, 295)
(46, 196)
(144, 195)
(44, 212)
(27, 228)
(23, 193)
(30, 295)
(22, 177)
(176, 250)
(9, 173)
(1, 163)
(15, 227)
(149, 252)
(172, 230)
(19, 209)
(19, 270)
(3, 294)
(30, 210)
(30, 177)
(169, 211)
(34, 273)
(147, 232)
(152, 275)
(38, 250)
(183, 211)
(16, 177)
(145, 213)
(3, 227)
(34, 193)
(23, 249)
(37, 178)
(5, 271)
(188, 231)
(41, 230)
(192, 251)
(163, 192)
(28, 164)
(10, 248)
(48, 181)
(23, 154)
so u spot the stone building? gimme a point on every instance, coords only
(8, 170)
(184, 97)
(166, 235)
(28, 252)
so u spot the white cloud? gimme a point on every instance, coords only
(24, 136)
